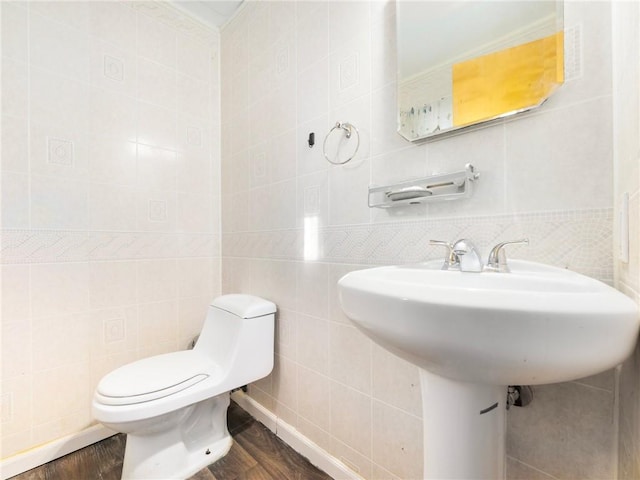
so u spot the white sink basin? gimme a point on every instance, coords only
(472, 334)
(537, 324)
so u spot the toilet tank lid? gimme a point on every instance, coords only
(244, 306)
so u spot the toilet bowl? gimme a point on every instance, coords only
(173, 407)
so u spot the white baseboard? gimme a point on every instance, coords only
(35, 457)
(48, 452)
(296, 440)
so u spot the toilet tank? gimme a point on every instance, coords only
(238, 335)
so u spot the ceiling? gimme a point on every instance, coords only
(213, 13)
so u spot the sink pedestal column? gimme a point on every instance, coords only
(464, 429)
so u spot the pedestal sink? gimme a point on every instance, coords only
(473, 334)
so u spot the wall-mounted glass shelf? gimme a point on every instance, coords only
(434, 188)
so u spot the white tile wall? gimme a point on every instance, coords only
(626, 125)
(110, 191)
(547, 175)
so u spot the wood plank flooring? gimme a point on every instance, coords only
(256, 454)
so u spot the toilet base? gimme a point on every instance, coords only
(181, 450)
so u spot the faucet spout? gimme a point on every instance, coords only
(468, 256)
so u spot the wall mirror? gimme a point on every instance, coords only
(461, 63)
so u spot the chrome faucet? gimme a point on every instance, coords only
(451, 260)
(462, 255)
(497, 261)
(468, 256)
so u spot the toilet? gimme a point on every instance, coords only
(173, 407)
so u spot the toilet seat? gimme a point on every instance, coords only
(155, 377)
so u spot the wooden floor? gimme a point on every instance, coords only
(256, 454)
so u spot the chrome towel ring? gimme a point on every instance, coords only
(349, 129)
